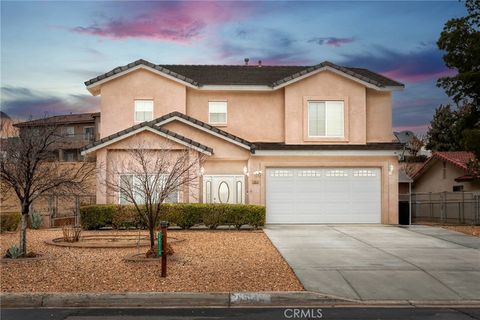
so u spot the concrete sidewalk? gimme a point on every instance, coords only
(192, 300)
(372, 262)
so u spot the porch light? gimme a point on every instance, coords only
(390, 169)
(202, 171)
(245, 171)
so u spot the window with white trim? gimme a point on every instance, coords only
(133, 183)
(217, 112)
(326, 119)
(69, 131)
(143, 110)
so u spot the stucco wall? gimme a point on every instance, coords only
(118, 96)
(254, 116)
(273, 116)
(325, 86)
(432, 180)
(379, 116)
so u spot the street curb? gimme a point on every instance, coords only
(217, 299)
(167, 299)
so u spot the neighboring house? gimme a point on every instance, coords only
(405, 137)
(445, 172)
(312, 143)
(78, 131)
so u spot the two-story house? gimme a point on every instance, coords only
(312, 143)
(77, 131)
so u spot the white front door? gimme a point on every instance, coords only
(323, 195)
(223, 189)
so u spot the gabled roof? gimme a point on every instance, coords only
(61, 119)
(146, 126)
(456, 158)
(270, 77)
(172, 116)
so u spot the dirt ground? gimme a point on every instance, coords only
(206, 261)
(470, 230)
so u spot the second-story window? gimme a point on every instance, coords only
(217, 112)
(325, 119)
(69, 131)
(143, 110)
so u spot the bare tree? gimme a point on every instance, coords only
(147, 176)
(29, 167)
(416, 144)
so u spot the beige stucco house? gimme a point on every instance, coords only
(312, 143)
(445, 172)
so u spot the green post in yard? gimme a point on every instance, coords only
(159, 243)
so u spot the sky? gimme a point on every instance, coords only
(48, 49)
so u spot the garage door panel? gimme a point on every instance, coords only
(323, 195)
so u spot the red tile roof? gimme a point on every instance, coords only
(456, 158)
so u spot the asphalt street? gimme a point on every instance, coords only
(350, 313)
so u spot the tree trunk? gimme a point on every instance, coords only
(151, 229)
(23, 230)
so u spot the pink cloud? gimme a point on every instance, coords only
(408, 75)
(177, 22)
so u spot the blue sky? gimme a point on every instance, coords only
(48, 49)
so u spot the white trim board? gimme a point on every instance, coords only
(203, 129)
(301, 153)
(126, 135)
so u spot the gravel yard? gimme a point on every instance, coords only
(205, 261)
(470, 230)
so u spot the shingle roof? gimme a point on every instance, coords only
(272, 76)
(456, 158)
(61, 119)
(368, 146)
(151, 125)
(204, 125)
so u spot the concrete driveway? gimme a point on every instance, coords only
(380, 262)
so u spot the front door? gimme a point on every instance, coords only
(223, 189)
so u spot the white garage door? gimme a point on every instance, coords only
(323, 195)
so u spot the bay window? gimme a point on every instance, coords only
(133, 184)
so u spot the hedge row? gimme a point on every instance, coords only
(184, 215)
(10, 221)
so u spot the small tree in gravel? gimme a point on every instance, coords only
(147, 177)
(29, 167)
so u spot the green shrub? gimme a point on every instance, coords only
(10, 221)
(255, 216)
(237, 215)
(35, 220)
(97, 216)
(183, 215)
(215, 215)
(127, 217)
